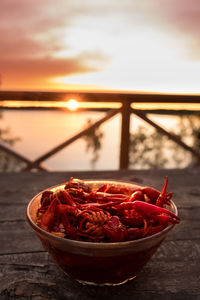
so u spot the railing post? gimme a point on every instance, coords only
(125, 134)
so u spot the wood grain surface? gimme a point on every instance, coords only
(27, 272)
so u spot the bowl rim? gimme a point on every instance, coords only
(95, 245)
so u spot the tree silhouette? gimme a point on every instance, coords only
(8, 162)
(150, 149)
(93, 142)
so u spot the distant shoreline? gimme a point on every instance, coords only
(149, 111)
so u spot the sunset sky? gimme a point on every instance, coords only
(134, 45)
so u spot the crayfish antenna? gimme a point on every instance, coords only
(164, 198)
(164, 188)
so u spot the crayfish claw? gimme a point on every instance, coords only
(148, 210)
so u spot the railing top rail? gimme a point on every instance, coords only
(99, 96)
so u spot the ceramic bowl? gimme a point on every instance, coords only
(97, 263)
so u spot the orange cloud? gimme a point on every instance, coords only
(54, 39)
(31, 35)
(27, 72)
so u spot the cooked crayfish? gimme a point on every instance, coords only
(108, 214)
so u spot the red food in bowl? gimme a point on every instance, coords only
(118, 251)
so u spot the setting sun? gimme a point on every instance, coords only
(72, 104)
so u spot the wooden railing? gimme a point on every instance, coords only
(125, 99)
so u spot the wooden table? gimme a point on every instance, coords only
(27, 272)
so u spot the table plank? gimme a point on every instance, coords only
(35, 274)
(27, 272)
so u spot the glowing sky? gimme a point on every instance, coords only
(135, 45)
